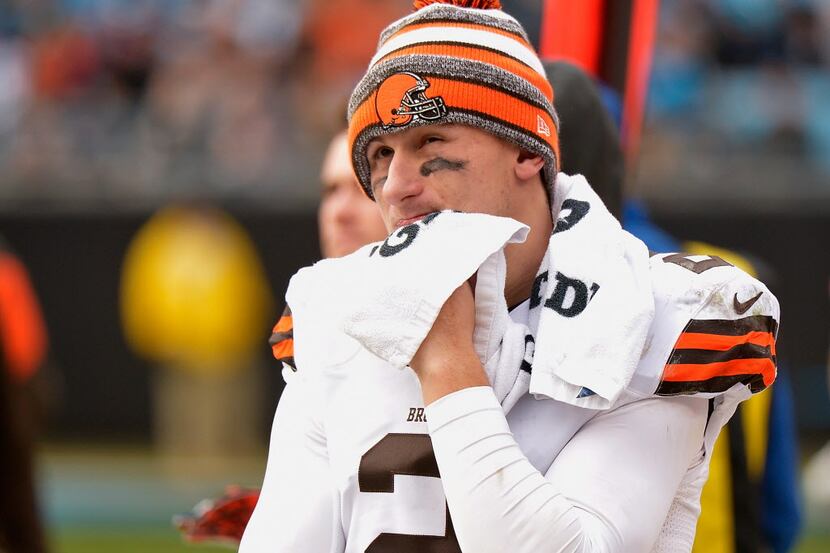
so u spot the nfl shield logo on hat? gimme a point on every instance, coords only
(541, 126)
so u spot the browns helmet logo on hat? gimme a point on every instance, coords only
(402, 99)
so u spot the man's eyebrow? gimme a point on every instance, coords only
(440, 163)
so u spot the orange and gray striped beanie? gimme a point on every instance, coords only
(455, 61)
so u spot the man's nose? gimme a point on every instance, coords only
(403, 180)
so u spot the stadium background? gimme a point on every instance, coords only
(113, 109)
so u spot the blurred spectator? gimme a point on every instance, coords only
(347, 218)
(338, 54)
(217, 100)
(14, 86)
(803, 36)
(64, 61)
(679, 64)
(339, 39)
(22, 351)
(748, 31)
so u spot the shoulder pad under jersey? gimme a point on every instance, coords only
(282, 339)
(714, 327)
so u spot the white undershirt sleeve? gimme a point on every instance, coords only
(296, 509)
(608, 490)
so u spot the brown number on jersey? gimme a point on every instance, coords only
(409, 454)
(685, 261)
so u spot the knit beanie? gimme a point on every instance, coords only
(455, 61)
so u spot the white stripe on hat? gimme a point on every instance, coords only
(471, 37)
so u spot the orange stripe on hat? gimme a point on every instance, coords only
(471, 97)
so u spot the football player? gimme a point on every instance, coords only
(455, 113)
(346, 218)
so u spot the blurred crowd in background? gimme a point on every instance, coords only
(129, 99)
(746, 78)
(126, 100)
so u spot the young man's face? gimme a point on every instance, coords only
(431, 168)
(347, 218)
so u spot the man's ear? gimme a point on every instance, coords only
(528, 165)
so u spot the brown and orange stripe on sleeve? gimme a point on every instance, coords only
(282, 339)
(712, 355)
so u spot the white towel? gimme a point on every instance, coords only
(598, 349)
(590, 311)
(387, 295)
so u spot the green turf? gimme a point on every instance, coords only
(126, 540)
(814, 544)
(161, 540)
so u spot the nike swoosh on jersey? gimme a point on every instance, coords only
(742, 307)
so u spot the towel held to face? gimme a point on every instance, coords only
(589, 311)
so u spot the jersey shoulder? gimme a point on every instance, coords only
(310, 348)
(714, 327)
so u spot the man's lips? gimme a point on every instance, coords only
(408, 221)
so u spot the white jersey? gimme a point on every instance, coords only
(357, 464)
